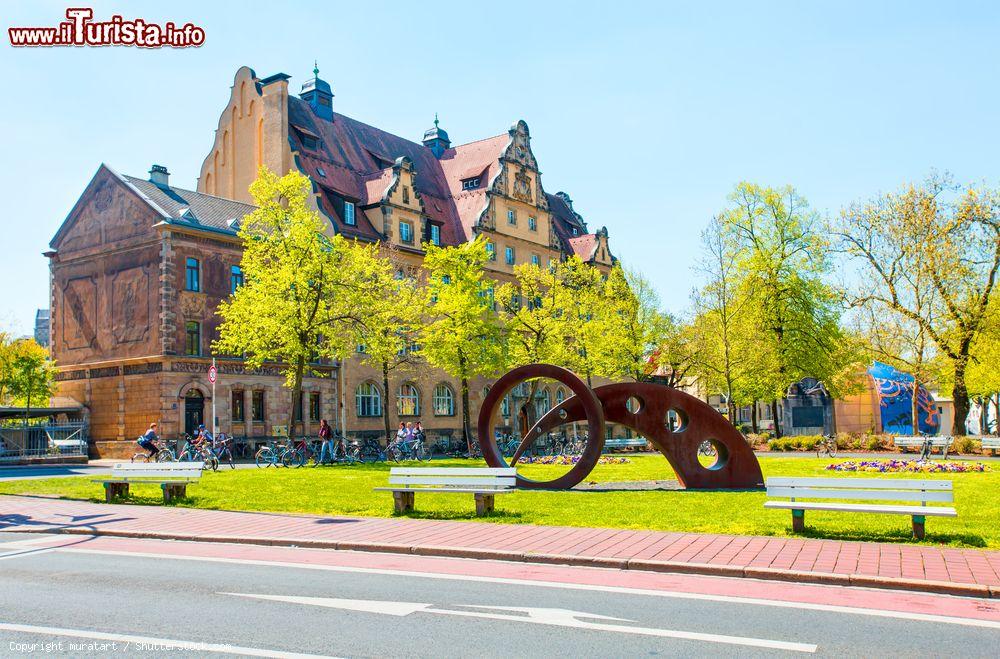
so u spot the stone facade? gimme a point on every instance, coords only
(121, 304)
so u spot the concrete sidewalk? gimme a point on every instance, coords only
(968, 572)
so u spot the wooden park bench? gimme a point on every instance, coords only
(622, 443)
(942, 443)
(991, 444)
(869, 489)
(484, 483)
(172, 477)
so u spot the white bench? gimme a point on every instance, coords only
(172, 477)
(624, 443)
(484, 483)
(942, 443)
(991, 444)
(870, 489)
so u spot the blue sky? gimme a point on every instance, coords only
(647, 114)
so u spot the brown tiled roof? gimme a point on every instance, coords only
(196, 209)
(356, 158)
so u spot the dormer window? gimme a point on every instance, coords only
(576, 232)
(471, 183)
(435, 234)
(321, 172)
(349, 213)
(309, 142)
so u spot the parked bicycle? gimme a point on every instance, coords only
(412, 449)
(279, 455)
(827, 446)
(370, 450)
(222, 451)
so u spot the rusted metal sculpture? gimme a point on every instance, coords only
(673, 421)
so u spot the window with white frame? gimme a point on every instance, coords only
(349, 213)
(470, 183)
(532, 223)
(444, 400)
(405, 232)
(435, 234)
(408, 400)
(508, 255)
(368, 399)
(512, 217)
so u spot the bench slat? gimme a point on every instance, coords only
(869, 494)
(927, 511)
(445, 490)
(155, 473)
(453, 471)
(500, 481)
(860, 483)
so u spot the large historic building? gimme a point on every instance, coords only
(139, 266)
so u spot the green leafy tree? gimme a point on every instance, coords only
(27, 373)
(389, 328)
(300, 298)
(731, 358)
(944, 236)
(782, 259)
(461, 334)
(636, 327)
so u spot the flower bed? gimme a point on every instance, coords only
(909, 466)
(571, 460)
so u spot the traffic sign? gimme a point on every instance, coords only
(212, 373)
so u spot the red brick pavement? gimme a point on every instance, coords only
(915, 567)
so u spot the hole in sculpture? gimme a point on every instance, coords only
(712, 454)
(676, 420)
(562, 414)
(633, 404)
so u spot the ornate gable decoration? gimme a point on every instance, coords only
(522, 186)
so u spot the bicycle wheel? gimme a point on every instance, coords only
(293, 458)
(227, 455)
(212, 462)
(165, 455)
(421, 453)
(264, 457)
(140, 457)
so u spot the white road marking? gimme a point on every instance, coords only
(151, 642)
(730, 599)
(535, 616)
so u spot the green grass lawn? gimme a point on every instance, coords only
(347, 490)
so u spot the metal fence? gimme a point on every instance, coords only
(25, 440)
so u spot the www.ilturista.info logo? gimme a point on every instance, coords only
(81, 30)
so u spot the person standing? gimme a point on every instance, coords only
(325, 436)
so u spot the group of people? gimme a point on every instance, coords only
(148, 440)
(410, 433)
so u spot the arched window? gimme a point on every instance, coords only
(444, 400)
(408, 400)
(542, 402)
(505, 406)
(368, 399)
(560, 395)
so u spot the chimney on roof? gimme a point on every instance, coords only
(159, 176)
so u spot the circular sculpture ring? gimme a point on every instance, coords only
(591, 406)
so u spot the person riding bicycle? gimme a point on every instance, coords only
(148, 441)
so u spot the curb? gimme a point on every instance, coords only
(643, 565)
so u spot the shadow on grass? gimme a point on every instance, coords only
(901, 536)
(451, 515)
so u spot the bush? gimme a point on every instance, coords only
(967, 445)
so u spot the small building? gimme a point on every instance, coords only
(42, 327)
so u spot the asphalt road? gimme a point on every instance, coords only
(157, 598)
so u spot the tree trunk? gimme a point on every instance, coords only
(300, 367)
(914, 408)
(466, 431)
(777, 420)
(983, 412)
(385, 405)
(754, 421)
(960, 398)
(996, 415)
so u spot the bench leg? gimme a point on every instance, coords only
(798, 521)
(918, 527)
(403, 502)
(173, 491)
(484, 504)
(114, 491)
